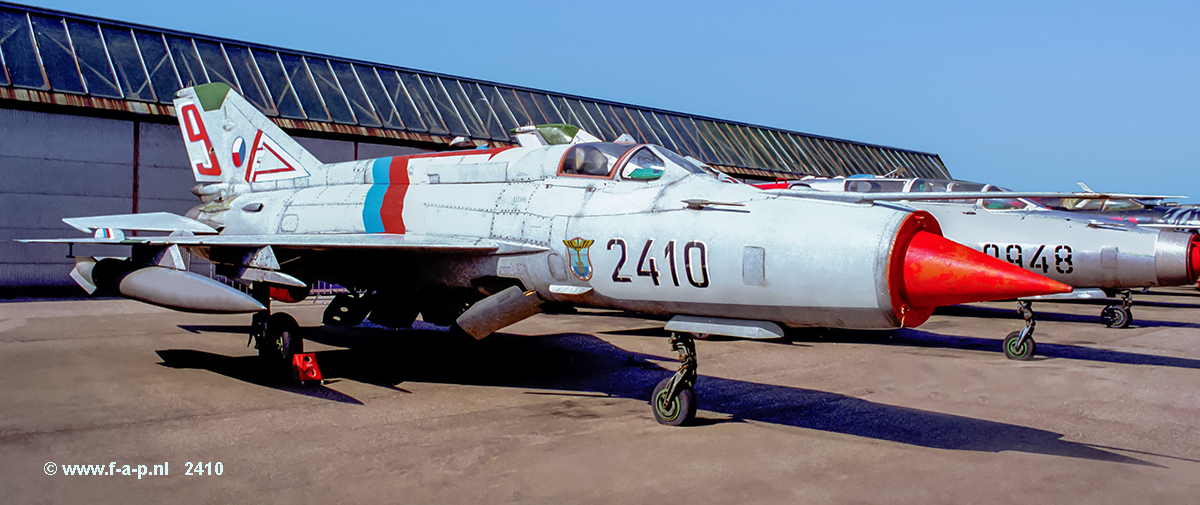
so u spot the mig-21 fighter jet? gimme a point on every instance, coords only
(1099, 258)
(1147, 213)
(480, 239)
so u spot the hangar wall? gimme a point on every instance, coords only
(53, 57)
(87, 125)
(57, 165)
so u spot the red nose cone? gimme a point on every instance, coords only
(938, 272)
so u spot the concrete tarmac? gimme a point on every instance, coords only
(554, 410)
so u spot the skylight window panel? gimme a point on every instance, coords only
(724, 150)
(568, 116)
(379, 99)
(93, 59)
(765, 149)
(187, 62)
(348, 83)
(803, 163)
(19, 53)
(548, 109)
(131, 73)
(331, 93)
(739, 145)
(483, 108)
(58, 59)
(665, 136)
(466, 111)
(644, 126)
(621, 116)
(305, 87)
(785, 153)
(215, 64)
(581, 114)
(607, 131)
(159, 66)
(831, 165)
(420, 97)
(400, 98)
(690, 125)
(445, 107)
(278, 87)
(531, 108)
(254, 90)
(515, 106)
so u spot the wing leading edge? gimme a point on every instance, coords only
(191, 233)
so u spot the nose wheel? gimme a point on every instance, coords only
(1019, 345)
(674, 399)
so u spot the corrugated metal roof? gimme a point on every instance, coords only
(69, 59)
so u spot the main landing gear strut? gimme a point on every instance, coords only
(274, 335)
(674, 399)
(1118, 316)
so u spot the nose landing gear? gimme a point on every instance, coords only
(1019, 345)
(674, 399)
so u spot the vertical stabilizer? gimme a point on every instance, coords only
(230, 141)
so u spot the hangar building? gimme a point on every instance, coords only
(87, 126)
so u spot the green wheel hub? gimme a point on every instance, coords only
(667, 410)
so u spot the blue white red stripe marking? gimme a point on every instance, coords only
(383, 209)
(382, 179)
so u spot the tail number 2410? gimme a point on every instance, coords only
(695, 262)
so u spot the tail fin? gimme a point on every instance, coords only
(230, 141)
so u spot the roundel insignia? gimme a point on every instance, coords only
(239, 151)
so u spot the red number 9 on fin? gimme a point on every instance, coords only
(194, 128)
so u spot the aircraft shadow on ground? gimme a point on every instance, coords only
(246, 369)
(920, 338)
(587, 365)
(1142, 302)
(994, 313)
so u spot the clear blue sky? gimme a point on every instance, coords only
(1030, 95)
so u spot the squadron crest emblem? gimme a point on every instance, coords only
(581, 263)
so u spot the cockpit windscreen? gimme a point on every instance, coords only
(593, 159)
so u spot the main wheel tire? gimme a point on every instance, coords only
(1115, 316)
(345, 310)
(1128, 319)
(679, 410)
(280, 341)
(1022, 352)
